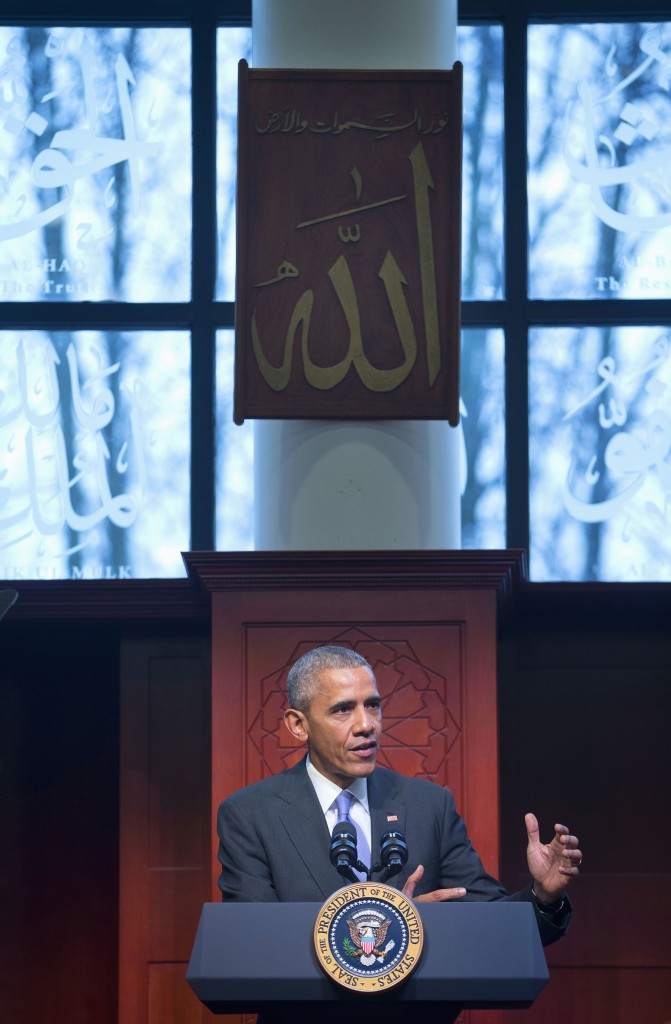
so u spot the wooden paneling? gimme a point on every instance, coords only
(585, 721)
(434, 656)
(165, 844)
(170, 998)
(426, 621)
(58, 823)
(597, 996)
(620, 920)
(585, 704)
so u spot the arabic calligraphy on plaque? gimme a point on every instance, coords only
(349, 262)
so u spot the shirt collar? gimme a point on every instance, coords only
(327, 791)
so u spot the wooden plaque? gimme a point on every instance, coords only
(348, 262)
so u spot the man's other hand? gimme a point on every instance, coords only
(437, 896)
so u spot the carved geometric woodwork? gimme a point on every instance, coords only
(421, 707)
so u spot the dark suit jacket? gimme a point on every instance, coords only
(274, 842)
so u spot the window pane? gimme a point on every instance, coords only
(234, 460)
(232, 45)
(483, 489)
(481, 52)
(599, 134)
(600, 462)
(94, 454)
(95, 164)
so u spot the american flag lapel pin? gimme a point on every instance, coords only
(392, 817)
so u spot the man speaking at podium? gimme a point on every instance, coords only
(275, 835)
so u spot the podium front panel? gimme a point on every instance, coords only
(248, 957)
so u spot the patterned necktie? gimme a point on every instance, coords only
(343, 804)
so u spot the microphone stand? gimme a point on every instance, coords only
(393, 854)
(344, 852)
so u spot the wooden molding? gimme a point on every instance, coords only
(107, 599)
(502, 571)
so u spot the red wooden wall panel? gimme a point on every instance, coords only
(585, 704)
(601, 760)
(434, 656)
(604, 995)
(427, 622)
(584, 736)
(164, 839)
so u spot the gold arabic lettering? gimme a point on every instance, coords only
(373, 378)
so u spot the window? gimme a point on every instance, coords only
(599, 422)
(117, 164)
(586, 241)
(95, 209)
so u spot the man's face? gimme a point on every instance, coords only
(343, 724)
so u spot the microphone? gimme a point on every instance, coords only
(343, 851)
(393, 855)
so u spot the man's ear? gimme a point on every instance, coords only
(295, 723)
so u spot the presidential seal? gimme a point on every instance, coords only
(368, 937)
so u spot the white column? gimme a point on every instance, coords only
(320, 485)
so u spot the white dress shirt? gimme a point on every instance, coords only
(327, 792)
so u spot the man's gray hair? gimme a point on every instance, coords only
(303, 678)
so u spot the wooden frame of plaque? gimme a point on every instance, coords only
(348, 252)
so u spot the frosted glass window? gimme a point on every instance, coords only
(95, 164)
(234, 460)
(480, 48)
(94, 454)
(482, 428)
(599, 142)
(232, 45)
(600, 454)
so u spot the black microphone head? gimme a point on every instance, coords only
(343, 851)
(393, 850)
